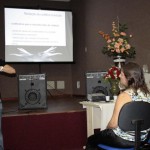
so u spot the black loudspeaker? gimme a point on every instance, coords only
(96, 86)
(32, 91)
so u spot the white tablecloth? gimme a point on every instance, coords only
(106, 113)
(98, 115)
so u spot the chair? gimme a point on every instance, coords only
(134, 116)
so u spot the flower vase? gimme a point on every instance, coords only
(114, 87)
(119, 61)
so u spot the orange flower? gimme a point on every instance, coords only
(105, 36)
(122, 49)
(118, 42)
(123, 33)
(109, 40)
(128, 46)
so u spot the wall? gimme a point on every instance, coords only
(79, 68)
(54, 72)
(99, 15)
(90, 16)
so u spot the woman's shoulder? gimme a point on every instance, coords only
(123, 98)
(129, 91)
(124, 95)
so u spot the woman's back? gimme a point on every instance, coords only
(138, 96)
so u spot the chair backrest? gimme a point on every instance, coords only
(136, 110)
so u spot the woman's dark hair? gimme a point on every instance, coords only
(135, 76)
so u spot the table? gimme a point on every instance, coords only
(98, 115)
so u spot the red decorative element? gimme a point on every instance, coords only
(113, 73)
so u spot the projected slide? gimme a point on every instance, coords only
(38, 35)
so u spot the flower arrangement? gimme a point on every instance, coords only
(113, 77)
(112, 74)
(118, 43)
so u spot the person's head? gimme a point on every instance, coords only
(132, 76)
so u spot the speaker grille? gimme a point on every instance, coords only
(32, 96)
(32, 91)
(96, 87)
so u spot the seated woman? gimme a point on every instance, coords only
(132, 78)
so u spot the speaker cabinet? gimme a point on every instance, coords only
(32, 91)
(96, 87)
